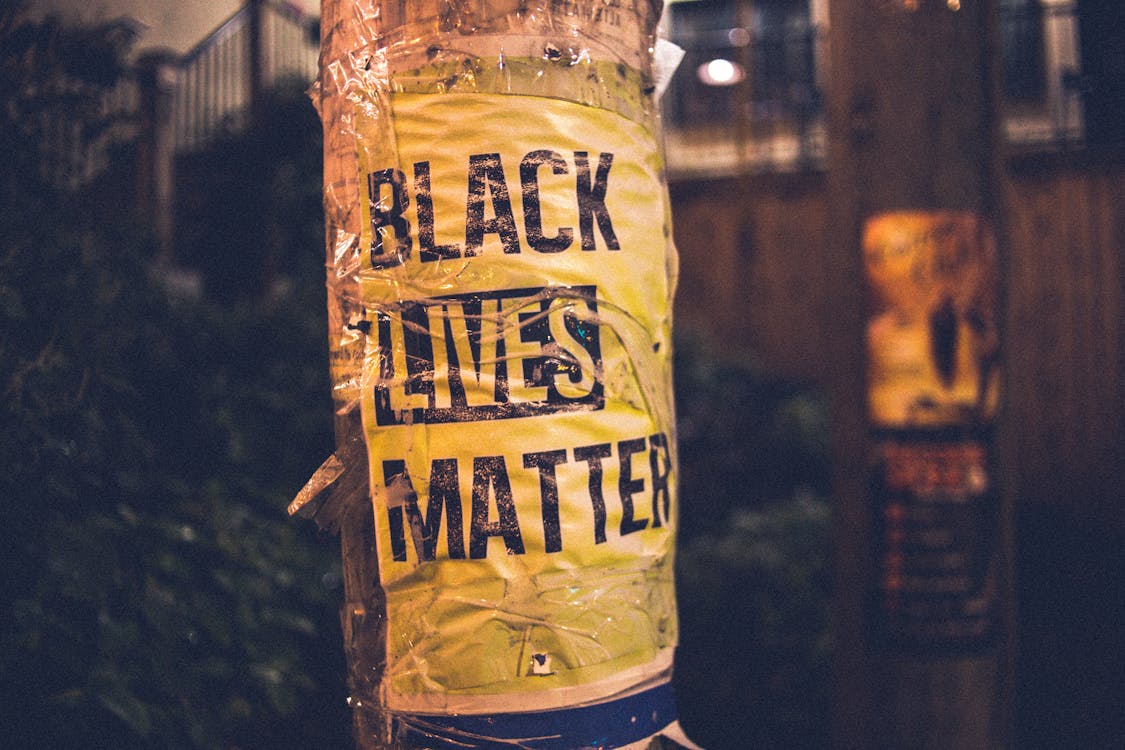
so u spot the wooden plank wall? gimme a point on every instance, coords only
(1065, 339)
(751, 276)
(751, 260)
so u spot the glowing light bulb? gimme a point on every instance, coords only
(720, 72)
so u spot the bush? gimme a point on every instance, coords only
(753, 665)
(752, 565)
(156, 594)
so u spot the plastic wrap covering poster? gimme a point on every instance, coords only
(932, 391)
(517, 404)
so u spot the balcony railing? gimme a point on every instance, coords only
(766, 114)
(172, 104)
(218, 79)
(746, 98)
(764, 111)
(1043, 82)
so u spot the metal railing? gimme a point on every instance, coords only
(773, 118)
(1043, 81)
(218, 78)
(772, 122)
(71, 154)
(205, 92)
(77, 131)
(768, 116)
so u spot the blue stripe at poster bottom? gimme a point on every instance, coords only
(601, 726)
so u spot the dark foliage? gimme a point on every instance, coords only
(1071, 661)
(156, 595)
(746, 438)
(251, 200)
(752, 670)
(752, 566)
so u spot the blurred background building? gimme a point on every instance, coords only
(163, 23)
(749, 95)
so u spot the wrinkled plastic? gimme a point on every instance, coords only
(500, 273)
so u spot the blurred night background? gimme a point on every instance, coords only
(163, 361)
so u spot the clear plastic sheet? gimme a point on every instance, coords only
(500, 273)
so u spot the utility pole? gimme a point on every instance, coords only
(923, 534)
(500, 270)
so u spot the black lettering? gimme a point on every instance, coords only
(524, 352)
(469, 312)
(418, 344)
(445, 490)
(534, 329)
(427, 250)
(487, 173)
(490, 472)
(591, 201)
(386, 366)
(398, 483)
(593, 455)
(388, 220)
(627, 486)
(532, 213)
(660, 463)
(424, 530)
(548, 493)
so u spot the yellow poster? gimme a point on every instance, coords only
(931, 334)
(516, 396)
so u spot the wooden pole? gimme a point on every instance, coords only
(338, 496)
(923, 561)
(156, 150)
(520, 83)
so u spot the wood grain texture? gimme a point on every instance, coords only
(757, 271)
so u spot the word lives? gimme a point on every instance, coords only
(486, 356)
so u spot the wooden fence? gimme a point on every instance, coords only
(1065, 338)
(752, 258)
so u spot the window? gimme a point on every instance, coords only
(1021, 30)
(737, 51)
(748, 93)
(706, 30)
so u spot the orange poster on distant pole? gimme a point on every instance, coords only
(932, 393)
(932, 340)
